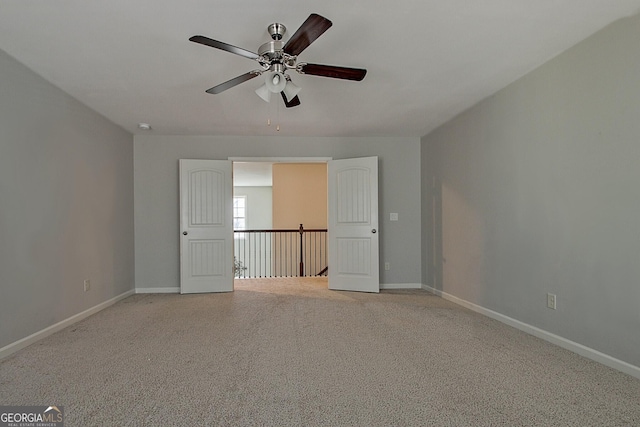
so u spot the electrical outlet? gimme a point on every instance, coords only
(387, 266)
(551, 301)
(87, 285)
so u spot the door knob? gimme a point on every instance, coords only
(185, 233)
(373, 231)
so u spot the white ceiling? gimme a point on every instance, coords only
(427, 60)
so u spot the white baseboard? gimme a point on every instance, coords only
(176, 290)
(157, 290)
(575, 347)
(400, 286)
(24, 342)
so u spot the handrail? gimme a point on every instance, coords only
(282, 230)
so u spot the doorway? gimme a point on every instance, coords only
(280, 219)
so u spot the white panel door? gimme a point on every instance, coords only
(353, 224)
(206, 226)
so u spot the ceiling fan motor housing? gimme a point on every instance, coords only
(273, 53)
(272, 50)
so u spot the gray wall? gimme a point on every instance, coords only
(259, 207)
(66, 196)
(156, 194)
(538, 190)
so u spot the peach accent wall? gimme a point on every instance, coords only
(300, 195)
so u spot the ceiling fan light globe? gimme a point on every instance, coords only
(264, 93)
(275, 81)
(291, 90)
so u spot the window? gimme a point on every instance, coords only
(239, 212)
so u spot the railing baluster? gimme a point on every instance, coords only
(279, 270)
(260, 253)
(278, 253)
(289, 258)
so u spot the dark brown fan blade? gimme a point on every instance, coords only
(224, 46)
(311, 29)
(295, 101)
(332, 71)
(233, 82)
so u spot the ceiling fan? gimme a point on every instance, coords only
(276, 58)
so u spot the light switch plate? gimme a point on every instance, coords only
(393, 216)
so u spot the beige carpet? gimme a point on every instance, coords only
(292, 353)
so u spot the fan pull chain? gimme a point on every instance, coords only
(277, 116)
(268, 108)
